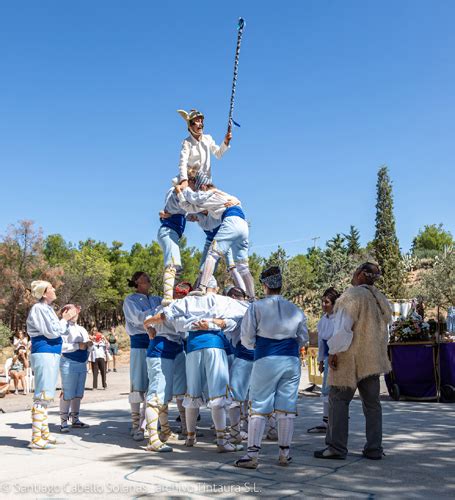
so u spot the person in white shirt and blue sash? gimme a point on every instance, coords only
(45, 331)
(276, 329)
(73, 371)
(136, 308)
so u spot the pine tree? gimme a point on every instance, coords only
(353, 241)
(386, 246)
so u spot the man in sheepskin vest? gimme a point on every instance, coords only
(357, 357)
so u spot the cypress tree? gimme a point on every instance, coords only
(353, 241)
(386, 246)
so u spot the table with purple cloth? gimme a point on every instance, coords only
(414, 371)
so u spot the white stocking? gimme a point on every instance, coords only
(191, 419)
(236, 278)
(285, 432)
(209, 268)
(256, 427)
(219, 419)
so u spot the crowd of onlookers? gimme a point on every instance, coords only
(102, 358)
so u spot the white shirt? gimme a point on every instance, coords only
(325, 332)
(42, 320)
(171, 203)
(74, 335)
(98, 350)
(187, 311)
(195, 155)
(136, 308)
(168, 330)
(274, 318)
(342, 333)
(213, 200)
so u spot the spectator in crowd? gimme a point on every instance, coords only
(113, 346)
(18, 368)
(20, 340)
(98, 358)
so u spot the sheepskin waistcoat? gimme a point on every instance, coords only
(367, 354)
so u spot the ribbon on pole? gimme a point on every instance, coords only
(240, 26)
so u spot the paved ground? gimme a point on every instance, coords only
(104, 461)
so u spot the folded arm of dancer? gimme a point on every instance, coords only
(213, 201)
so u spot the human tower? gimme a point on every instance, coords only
(231, 352)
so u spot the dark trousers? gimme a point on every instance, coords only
(338, 429)
(99, 365)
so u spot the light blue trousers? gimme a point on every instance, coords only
(169, 240)
(138, 370)
(73, 375)
(45, 369)
(166, 376)
(207, 367)
(274, 385)
(239, 378)
(233, 235)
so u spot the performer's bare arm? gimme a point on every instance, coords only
(154, 320)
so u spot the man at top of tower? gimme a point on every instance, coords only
(197, 147)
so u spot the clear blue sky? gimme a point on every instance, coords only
(328, 91)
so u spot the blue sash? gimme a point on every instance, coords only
(231, 211)
(176, 222)
(204, 339)
(162, 347)
(43, 344)
(80, 355)
(243, 353)
(227, 346)
(272, 347)
(139, 341)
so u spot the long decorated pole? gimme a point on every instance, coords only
(240, 26)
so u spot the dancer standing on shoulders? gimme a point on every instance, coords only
(173, 221)
(45, 331)
(200, 196)
(136, 308)
(197, 147)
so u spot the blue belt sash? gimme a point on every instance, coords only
(139, 341)
(162, 347)
(227, 346)
(242, 352)
(43, 344)
(176, 222)
(80, 355)
(231, 211)
(272, 347)
(204, 339)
